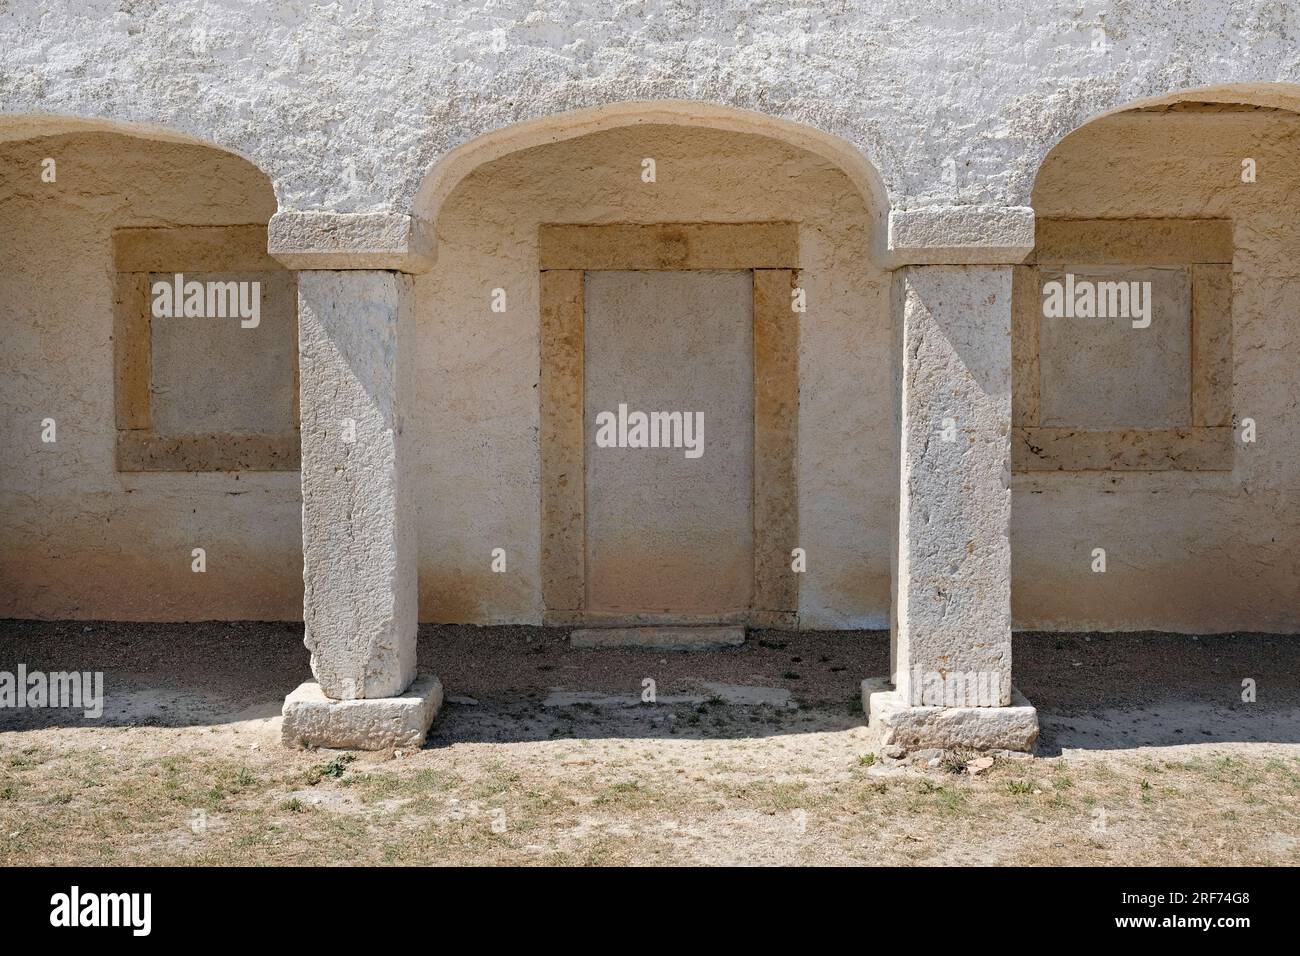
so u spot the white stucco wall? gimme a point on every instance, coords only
(347, 105)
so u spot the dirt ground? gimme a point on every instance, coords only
(547, 755)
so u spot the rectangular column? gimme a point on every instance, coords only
(360, 606)
(952, 601)
(355, 309)
(359, 550)
(950, 653)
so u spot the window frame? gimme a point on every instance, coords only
(139, 252)
(1202, 246)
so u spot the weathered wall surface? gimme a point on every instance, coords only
(346, 105)
(476, 416)
(77, 538)
(667, 533)
(1186, 551)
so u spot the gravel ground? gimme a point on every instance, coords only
(1091, 689)
(544, 754)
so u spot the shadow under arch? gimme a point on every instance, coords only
(1284, 96)
(1187, 696)
(21, 126)
(443, 177)
(77, 311)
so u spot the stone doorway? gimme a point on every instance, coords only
(649, 328)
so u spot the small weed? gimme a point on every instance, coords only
(335, 768)
(955, 761)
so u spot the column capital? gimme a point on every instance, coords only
(959, 235)
(342, 241)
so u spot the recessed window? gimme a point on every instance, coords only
(206, 351)
(1115, 370)
(1122, 345)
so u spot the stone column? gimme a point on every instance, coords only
(951, 630)
(359, 548)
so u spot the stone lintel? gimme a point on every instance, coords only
(893, 722)
(669, 246)
(376, 723)
(1125, 242)
(959, 235)
(332, 240)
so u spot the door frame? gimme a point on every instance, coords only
(566, 252)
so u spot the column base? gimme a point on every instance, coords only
(895, 723)
(378, 723)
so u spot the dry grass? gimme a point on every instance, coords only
(154, 796)
(1152, 757)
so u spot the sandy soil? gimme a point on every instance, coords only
(546, 754)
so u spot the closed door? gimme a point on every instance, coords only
(669, 439)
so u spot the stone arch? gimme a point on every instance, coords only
(1080, 110)
(152, 438)
(455, 165)
(1154, 189)
(458, 196)
(32, 125)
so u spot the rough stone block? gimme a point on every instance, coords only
(330, 240)
(313, 720)
(894, 723)
(960, 235)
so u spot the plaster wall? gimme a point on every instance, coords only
(245, 382)
(1189, 551)
(475, 412)
(347, 106)
(79, 539)
(666, 533)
